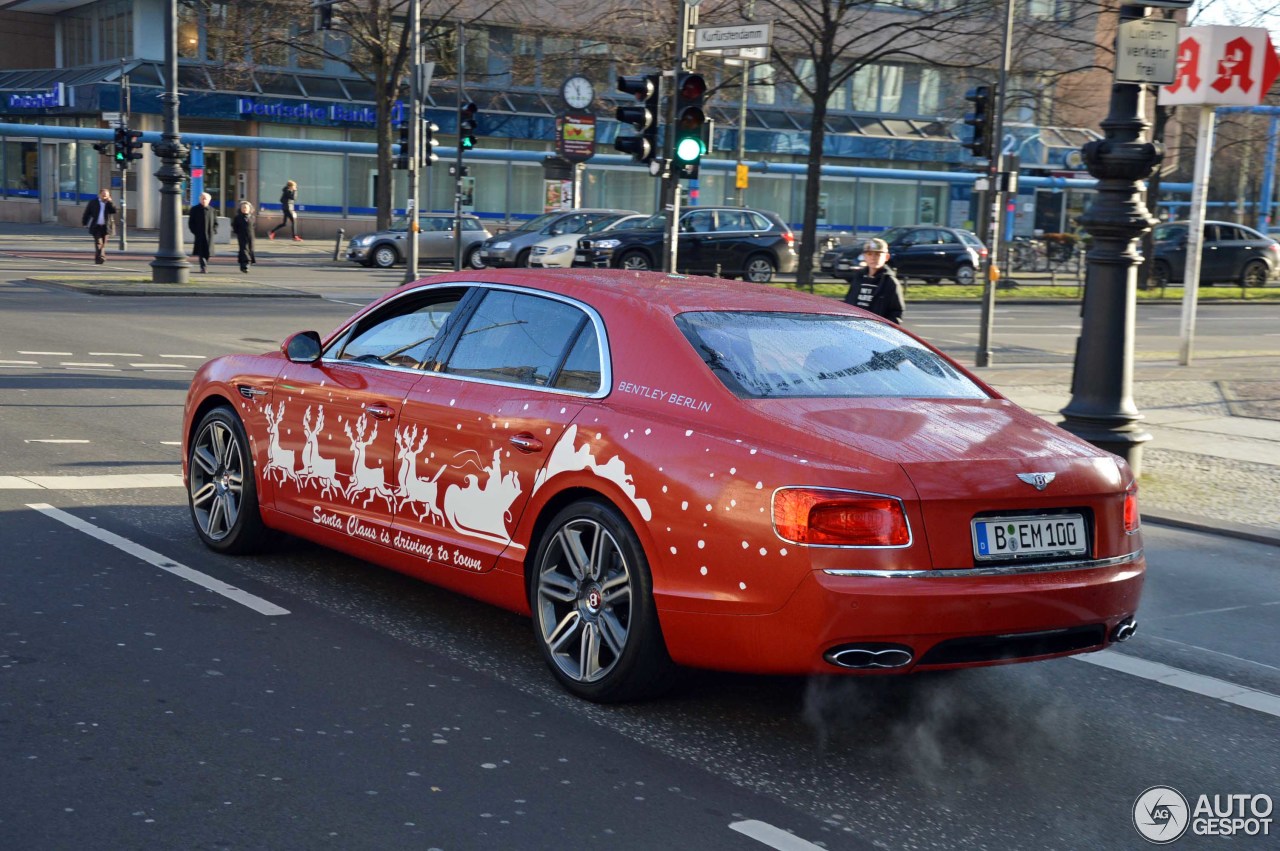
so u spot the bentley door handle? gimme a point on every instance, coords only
(526, 442)
(381, 412)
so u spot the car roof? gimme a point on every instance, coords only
(670, 293)
(1208, 222)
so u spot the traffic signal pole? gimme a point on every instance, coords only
(415, 140)
(670, 170)
(124, 179)
(995, 174)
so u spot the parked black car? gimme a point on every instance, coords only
(1230, 253)
(924, 251)
(729, 241)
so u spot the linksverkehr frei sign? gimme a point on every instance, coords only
(1222, 66)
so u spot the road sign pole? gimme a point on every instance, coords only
(1195, 234)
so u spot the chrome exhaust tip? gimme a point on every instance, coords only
(1124, 630)
(869, 656)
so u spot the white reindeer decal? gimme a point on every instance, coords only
(280, 459)
(483, 512)
(365, 478)
(409, 487)
(315, 467)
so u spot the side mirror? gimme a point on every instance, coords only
(303, 347)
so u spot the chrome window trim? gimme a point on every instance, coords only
(606, 368)
(1002, 570)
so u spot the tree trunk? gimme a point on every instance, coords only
(385, 94)
(812, 189)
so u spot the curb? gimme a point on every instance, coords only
(203, 290)
(1223, 528)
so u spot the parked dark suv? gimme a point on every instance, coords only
(728, 241)
(924, 251)
(1230, 253)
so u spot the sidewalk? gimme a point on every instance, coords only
(1213, 462)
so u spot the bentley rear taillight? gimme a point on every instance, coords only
(1132, 520)
(826, 517)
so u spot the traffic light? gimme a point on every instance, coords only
(132, 146)
(121, 155)
(691, 121)
(643, 116)
(979, 120)
(467, 124)
(401, 160)
(429, 142)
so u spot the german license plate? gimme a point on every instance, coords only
(1023, 537)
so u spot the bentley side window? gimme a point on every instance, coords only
(402, 334)
(515, 338)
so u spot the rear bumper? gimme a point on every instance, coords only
(1035, 615)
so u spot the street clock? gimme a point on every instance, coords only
(578, 92)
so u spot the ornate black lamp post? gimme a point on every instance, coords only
(1101, 409)
(170, 265)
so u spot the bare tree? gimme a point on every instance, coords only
(372, 39)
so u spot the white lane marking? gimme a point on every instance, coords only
(160, 365)
(114, 355)
(774, 837)
(85, 363)
(1199, 649)
(171, 443)
(188, 357)
(54, 440)
(1185, 680)
(231, 592)
(59, 354)
(19, 362)
(124, 481)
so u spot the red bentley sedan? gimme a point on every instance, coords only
(673, 471)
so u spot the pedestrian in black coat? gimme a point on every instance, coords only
(288, 204)
(100, 218)
(242, 227)
(203, 223)
(874, 286)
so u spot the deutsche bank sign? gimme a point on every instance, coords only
(742, 35)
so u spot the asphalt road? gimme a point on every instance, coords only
(326, 703)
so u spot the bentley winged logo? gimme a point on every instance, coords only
(1039, 481)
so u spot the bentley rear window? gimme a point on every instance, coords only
(768, 355)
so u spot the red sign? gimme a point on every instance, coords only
(576, 137)
(1222, 66)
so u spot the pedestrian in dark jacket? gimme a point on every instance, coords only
(203, 223)
(874, 286)
(100, 218)
(242, 227)
(288, 200)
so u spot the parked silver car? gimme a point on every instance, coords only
(513, 248)
(386, 248)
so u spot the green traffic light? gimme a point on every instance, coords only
(689, 149)
(468, 142)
